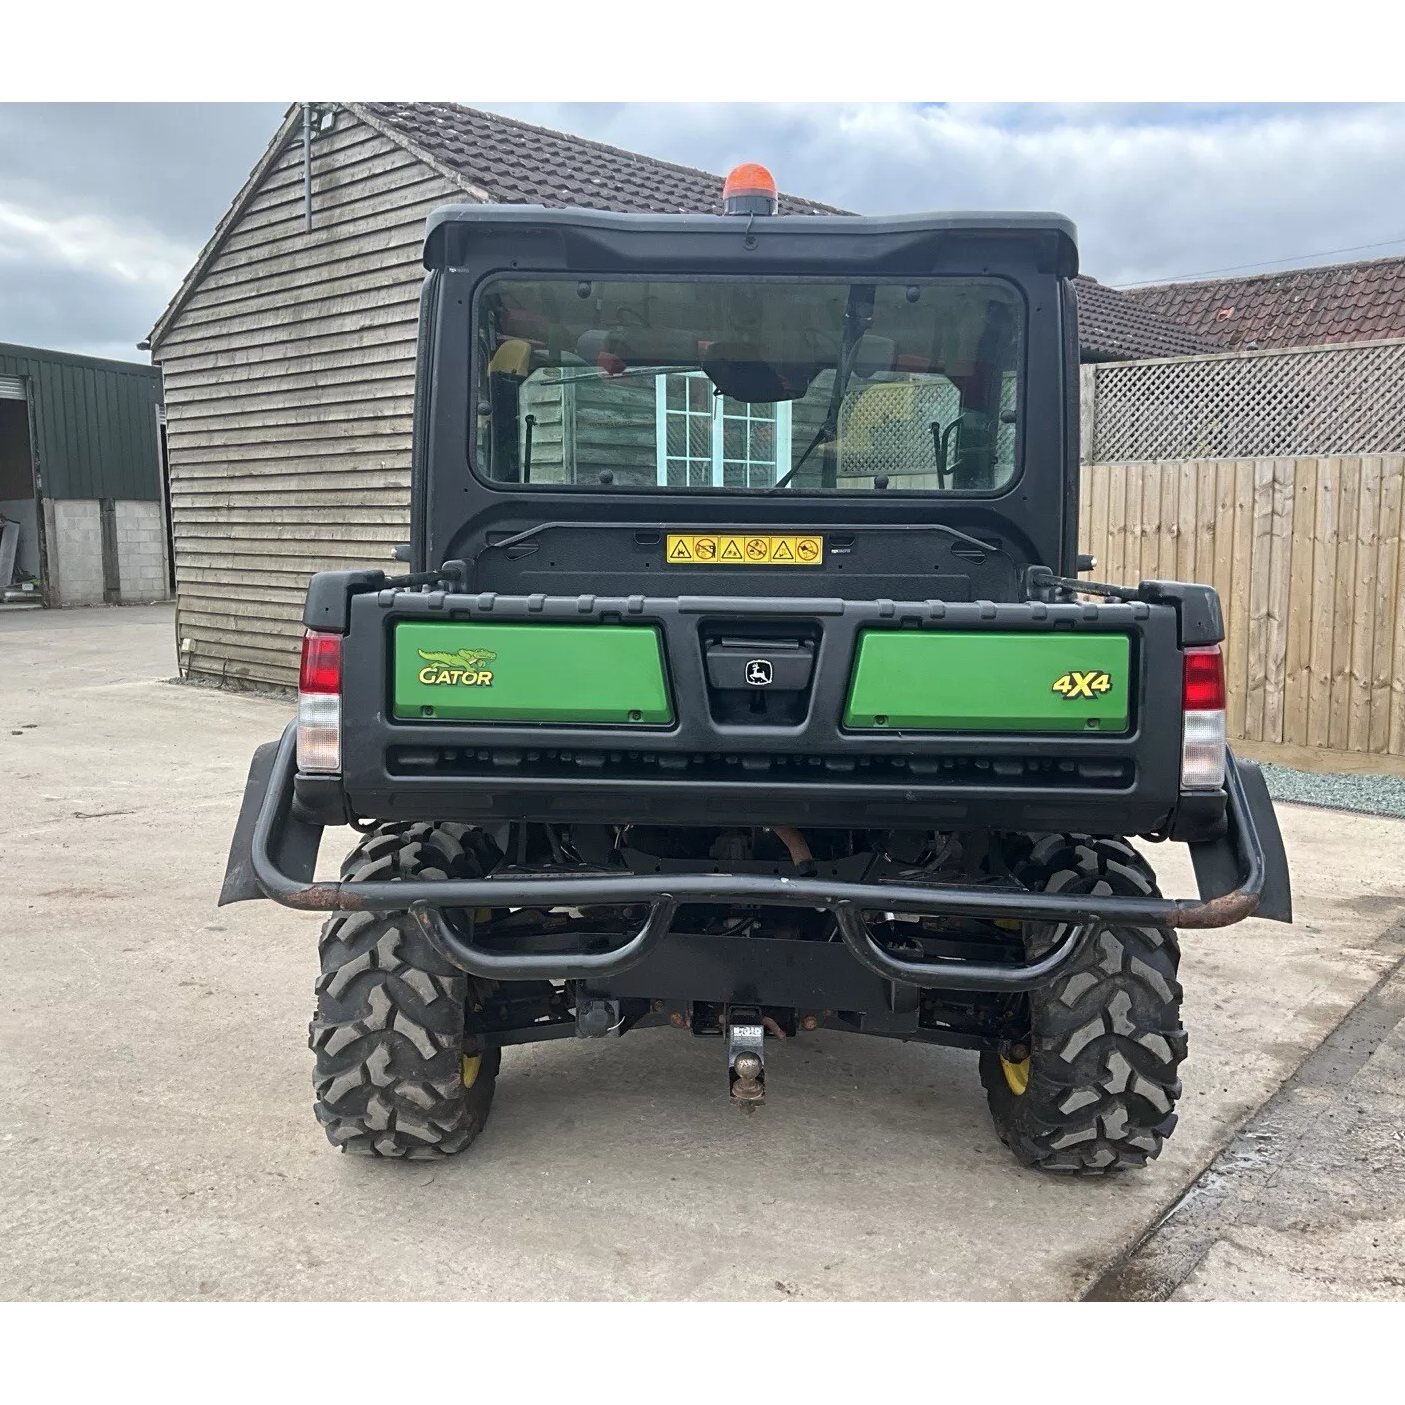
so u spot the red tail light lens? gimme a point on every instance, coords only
(321, 663)
(1203, 689)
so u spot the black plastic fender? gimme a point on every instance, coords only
(297, 842)
(1216, 863)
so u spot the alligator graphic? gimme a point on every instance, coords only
(471, 659)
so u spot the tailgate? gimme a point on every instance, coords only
(616, 710)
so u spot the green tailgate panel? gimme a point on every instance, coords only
(1005, 682)
(530, 673)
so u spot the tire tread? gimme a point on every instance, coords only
(388, 1030)
(1106, 1037)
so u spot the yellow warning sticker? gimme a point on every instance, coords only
(702, 549)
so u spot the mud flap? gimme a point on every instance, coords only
(1216, 868)
(295, 843)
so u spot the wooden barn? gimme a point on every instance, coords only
(289, 350)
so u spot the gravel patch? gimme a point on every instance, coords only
(1362, 794)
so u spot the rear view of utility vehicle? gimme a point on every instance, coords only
(743, 680)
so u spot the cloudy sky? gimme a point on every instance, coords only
(104, 207)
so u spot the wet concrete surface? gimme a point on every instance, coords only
(1307, 1203)
(157, 1127)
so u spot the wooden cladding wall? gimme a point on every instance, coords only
(289, 388)
(1306, 554)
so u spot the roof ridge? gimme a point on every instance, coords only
(49, 353)
(1115, 326)
(1256, 277)
(574, 138)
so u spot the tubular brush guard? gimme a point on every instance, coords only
(277, 839)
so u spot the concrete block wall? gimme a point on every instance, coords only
(73, 532)
(141, 552)
(74, 539)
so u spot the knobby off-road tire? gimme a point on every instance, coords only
(1100, 1083)
(391, 1078)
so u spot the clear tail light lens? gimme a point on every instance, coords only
(319, 703)
(1203, 719)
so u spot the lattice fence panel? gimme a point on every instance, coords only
(887, 428)
(1347, 399)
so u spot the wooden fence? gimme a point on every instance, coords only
(1307, 556)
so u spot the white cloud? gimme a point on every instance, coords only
(126, 253)
(1157, 189)
(104, 208)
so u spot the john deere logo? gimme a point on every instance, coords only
(1074, 684)
(464, 667)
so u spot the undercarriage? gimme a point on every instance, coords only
(786, 969)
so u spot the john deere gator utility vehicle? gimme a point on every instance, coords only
(742, 679)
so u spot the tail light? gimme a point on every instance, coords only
(1203, 726)
(319, 703)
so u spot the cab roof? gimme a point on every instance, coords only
(452, 230)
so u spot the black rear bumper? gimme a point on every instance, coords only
(809, 767)
(274, 853)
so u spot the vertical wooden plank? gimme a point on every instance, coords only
(1344, 603)
(1187, 520)
(1259, 563)
(1135, 474)
(1150, 525)
(1131, 521)
(1149, 541)
(1324, 561)
(1111, 481)
(1130, 502)
(1107, 562)
(1169, 516)
(1206, 532)
(1118, 477)
(1388, 601)
(1223, 578)
(1097, 529)
(1362, 621)
(1237, 662)
(1279, 565)
(1396, 743)
(1297, 665)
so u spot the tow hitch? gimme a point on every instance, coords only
(746, 1058)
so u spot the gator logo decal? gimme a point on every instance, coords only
(463, 667)
(1074, 684)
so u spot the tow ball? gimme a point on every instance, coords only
(746, 1059)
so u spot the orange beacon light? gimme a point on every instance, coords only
(749, 190)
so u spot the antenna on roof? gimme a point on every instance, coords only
(317, 120)
(307, 168)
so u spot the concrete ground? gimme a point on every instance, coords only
(158, 1134)
(1308, 1201)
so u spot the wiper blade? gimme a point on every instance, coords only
(595, 374)
(824, 434)
(858, 317)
